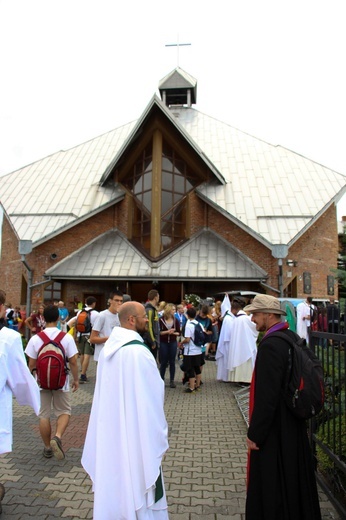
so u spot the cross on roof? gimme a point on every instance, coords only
(177, 45)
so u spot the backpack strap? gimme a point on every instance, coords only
(43, 336)
(292, 339)
(60, 336)
(57, 338)
(46, 339)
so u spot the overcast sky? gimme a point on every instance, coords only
(74, 69)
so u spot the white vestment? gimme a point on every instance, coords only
(223, 346)
(127, 432)
(243, 349)
(15, 378)
(303, 310)
(225, 305)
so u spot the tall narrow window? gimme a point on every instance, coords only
(177, 180)
(140, 185)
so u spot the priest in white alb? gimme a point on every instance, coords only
(224, 340)
(127, 432)
(243, 347)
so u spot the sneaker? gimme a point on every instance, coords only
(56, 446)
(47, 452)
(172, 384)
(198, 388)
(83, 379)
(189, 391)
(2, 494)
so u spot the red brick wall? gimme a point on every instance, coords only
(11, 266)
(316, 252)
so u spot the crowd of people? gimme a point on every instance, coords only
(134, 343)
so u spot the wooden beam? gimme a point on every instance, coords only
(155, 243)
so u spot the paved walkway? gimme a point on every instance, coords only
(204, 469)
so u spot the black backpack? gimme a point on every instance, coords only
(199, 336)
(304, 386)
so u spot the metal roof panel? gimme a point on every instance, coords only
(205, 255)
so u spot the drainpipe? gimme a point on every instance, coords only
(280, 251)
(280, 277)
(25, 248)
(28, 292)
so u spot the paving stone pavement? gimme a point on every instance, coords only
(204, 469)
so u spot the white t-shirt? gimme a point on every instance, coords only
(190, 349)
(67, 342)
(104, 324)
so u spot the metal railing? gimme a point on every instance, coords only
(328, 430)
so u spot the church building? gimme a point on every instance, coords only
(177, 201)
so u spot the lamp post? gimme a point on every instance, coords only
(280, 251)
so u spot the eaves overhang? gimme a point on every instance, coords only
(334, 200)
(3, 213)
(77, 221)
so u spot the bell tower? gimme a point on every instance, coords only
(178, 88)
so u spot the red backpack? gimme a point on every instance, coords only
(51, 363)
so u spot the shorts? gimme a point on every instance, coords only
(84, 347)
(59, 400)
(192, 365)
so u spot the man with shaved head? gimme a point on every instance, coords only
(127, 431)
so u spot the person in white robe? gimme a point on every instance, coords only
(304, 318)
(243, 349)
(127, 432)
(225, 305)
(15, 380)
(223, 345)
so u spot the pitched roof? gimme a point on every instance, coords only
(177, 78)
(206, 256)
(57, 192)
(270, 191)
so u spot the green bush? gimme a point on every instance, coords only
(329, 435)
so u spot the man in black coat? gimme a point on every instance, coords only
(281, 479)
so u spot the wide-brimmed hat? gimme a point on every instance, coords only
(264, 303)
